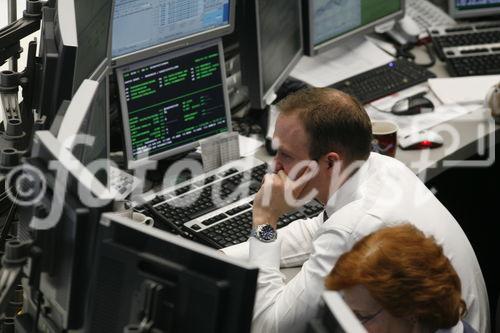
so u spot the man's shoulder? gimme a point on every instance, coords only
(350, 217)
(382, 162)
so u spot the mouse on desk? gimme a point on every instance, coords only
(421, 140)
(412, 105)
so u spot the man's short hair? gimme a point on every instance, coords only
(333, 120)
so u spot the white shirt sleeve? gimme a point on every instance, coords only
(287, 308)
(296, 243)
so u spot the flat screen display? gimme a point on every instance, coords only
(141, 24)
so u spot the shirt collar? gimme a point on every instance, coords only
(349, 191)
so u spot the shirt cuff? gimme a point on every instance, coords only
(238, 251)
(265, 254)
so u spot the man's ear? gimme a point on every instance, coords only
(331, 158)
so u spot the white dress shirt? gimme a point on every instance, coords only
(382, 192)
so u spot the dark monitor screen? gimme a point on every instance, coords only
(93, 22)
(329, 21)
(163, 25)
(172, 101)
(148, 277)
(474, 8)
(271, 45)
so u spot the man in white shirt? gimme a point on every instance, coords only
(362, 192)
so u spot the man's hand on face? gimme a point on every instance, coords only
(280, 194)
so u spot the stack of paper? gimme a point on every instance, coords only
(463, 90)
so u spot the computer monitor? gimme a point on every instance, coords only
(473, 8)
(93, 26)
(166, 283)
(96, 126)
(64, 236)
(170, 102)
(87, 113)
(58, 47)
(335, 316)
(327, 23)
(72, 49)
(143, 29)
(270, 37)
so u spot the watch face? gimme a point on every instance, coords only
(267, 232)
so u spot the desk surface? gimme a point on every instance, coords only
(464, 137)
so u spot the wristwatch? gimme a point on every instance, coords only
(264, 232)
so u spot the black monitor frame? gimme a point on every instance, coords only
(49, 56)
(311, 50)
(178, 43)
(146, 276)
(66, 43)
(136, 162)
(252, 58)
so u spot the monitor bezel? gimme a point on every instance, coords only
(77, 111)
(311, 50)
(110, 218)
(66, 18)
(341, 313)
(458, 14)
(141, 161)
(261, 100)
(175, 44)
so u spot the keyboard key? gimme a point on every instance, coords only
(238, 209)
(214, 219)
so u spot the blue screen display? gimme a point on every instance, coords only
(142, 24)
(475, 4)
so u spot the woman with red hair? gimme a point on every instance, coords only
(398, 280)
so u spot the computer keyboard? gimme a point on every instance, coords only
(426, 15)
(384, 80)
(469, 49)
(215, 208)
(474, 65)
(234, 229)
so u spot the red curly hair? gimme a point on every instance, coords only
(406, 272)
